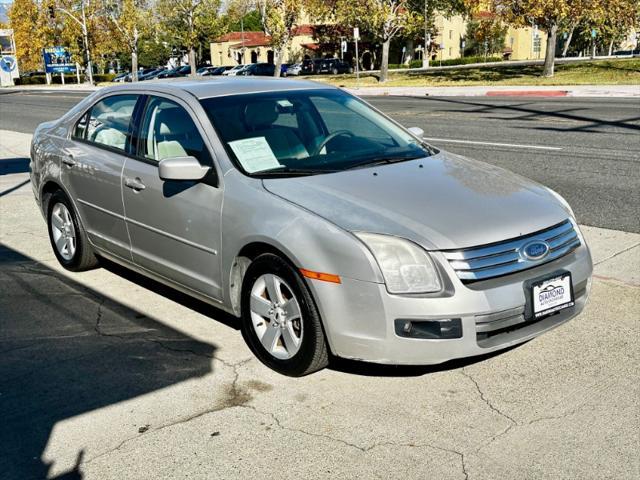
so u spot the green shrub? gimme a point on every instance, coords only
(68, 78)
(466, 60)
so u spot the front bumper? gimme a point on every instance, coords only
(359, 317)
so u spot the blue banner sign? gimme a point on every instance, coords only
(58, 60)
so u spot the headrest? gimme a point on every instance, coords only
(260, 114)
(174, 121)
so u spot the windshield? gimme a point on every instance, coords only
(307, 132)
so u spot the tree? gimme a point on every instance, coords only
(24, 19)
(485, 36)
(279, 20)
(82, 12)
(188, 21)
(130, 19)
(546, 14)
(383, 19)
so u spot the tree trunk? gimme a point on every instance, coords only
(565, 49)
(134, 64)
(384, 66)
(550, 54)
(611, 47)
(408, 56)
(192, 61)
(278, 62)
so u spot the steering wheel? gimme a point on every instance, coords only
(328, 138)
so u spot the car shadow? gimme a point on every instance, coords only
(67, 350)
(14, 165)
(368, 369)
(172, 294)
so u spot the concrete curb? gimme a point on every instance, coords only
(519, 90)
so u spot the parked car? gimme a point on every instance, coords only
(120, 77)
(259, 69)
(293, 70)
(334, 66)
(151, 75)
(342, 232)
(234, 70)
(309, 66)
(204, 69)
(217, 71)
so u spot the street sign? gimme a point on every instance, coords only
(8, 59)
(58, 60)
(343, 46)
(356, 33)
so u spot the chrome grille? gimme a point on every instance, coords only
(489, 261)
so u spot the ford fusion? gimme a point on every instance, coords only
(323, 225)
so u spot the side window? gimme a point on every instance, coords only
(109, 121)
(168, 131)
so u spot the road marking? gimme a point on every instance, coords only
(493, 144)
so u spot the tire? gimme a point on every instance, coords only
(311, 353)
(79, 258)
(335, 71)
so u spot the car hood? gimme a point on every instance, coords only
(440, 202)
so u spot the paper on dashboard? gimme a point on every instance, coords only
(254, 154)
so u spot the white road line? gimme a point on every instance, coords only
(471, 142)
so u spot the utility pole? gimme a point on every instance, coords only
(427, 38)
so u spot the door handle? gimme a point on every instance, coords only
(134, 184)
(69, 161)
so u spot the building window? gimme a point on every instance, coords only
(450, 34)
(450, 52)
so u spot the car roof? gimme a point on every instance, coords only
(207, 87)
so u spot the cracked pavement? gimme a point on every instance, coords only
(107, 375)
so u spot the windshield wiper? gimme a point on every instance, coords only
(381, 161)
(293, 171)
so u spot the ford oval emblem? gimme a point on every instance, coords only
(535, 250)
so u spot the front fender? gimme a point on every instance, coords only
(253, 215)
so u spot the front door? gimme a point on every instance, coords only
(174, 225)
(92, 167)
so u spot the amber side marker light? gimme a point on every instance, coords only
(325, 277)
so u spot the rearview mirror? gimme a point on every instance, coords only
(417, 131)
(181, 168)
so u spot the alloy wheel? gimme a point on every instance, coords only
(276, 316)
(63, 231)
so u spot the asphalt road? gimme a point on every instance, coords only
(588, 149)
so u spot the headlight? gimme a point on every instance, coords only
(564, 203)
(405, 266)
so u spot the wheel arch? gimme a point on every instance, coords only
(240, 264)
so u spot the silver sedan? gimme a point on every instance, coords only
(323, 225)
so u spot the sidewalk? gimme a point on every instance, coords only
(514, 90)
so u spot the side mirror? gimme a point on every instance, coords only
(181, 168)
(417, 131)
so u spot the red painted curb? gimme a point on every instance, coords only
(527, 93)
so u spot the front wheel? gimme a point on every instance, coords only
(280, 321)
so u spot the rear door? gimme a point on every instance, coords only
(174, 225)
(92, 168)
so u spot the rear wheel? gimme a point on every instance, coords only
(67, 236)
(280, 321)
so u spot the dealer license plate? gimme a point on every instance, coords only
(552, 295)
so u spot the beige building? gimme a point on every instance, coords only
(254, 47)
(520, 43)
(251, 47)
